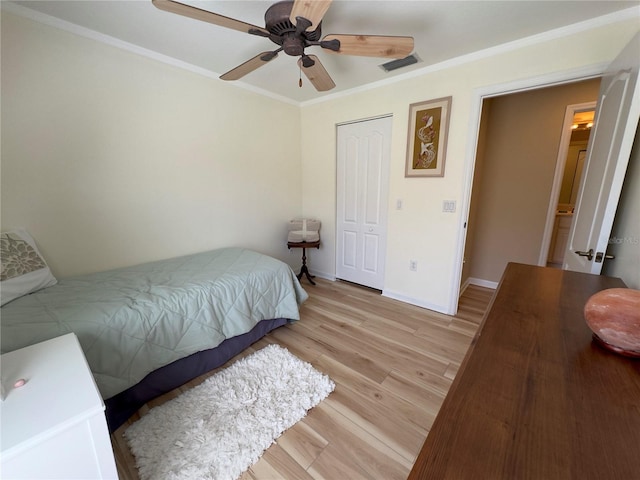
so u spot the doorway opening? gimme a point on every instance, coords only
(576, 132)
(516, 172)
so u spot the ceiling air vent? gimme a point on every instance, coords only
(400, 63)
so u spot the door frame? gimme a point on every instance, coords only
(477, 98)
(561, 161)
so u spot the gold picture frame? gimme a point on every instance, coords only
(427, 142)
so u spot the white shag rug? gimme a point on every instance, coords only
(221, 427)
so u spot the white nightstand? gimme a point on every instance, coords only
(54, 426)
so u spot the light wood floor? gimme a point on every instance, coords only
(392, 364)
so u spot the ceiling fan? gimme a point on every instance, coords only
(295, 25)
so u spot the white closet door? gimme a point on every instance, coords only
(363, 157)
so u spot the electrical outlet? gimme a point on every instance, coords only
(399, 204)
(413, 265)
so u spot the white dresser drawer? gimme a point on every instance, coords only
(54, 426)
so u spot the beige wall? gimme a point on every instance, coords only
(474, 206)
(517, 170)
(110, 158)
(421, 231)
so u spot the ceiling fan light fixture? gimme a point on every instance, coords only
(293, 45)
(400, 63)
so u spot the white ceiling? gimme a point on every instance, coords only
(443, 30)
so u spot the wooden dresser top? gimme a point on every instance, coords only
(535, 397)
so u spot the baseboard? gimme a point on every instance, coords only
(413, 301)
(464, 287)
(482, 283)
(417, 303)
(319, 274)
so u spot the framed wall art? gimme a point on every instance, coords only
(427, 143)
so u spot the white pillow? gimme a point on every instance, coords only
(22, 269)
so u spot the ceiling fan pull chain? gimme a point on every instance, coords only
(300, 81)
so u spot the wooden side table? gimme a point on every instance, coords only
(304, 245)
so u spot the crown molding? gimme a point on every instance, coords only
(604, 20)
(568, 30)
(130, 47)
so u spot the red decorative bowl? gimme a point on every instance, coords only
(613, 315)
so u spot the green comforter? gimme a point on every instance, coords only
(134, 320)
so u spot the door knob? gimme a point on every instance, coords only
(371, 229)
(600, 256)
(588, 254)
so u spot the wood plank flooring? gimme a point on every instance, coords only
(392, 363)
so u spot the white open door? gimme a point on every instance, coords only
(608, 154)
(363, 158)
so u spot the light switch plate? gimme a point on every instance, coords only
(449, 206)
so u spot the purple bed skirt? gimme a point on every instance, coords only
(121, 406)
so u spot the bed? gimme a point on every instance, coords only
(148, 329)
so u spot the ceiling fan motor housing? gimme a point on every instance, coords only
(283, 31)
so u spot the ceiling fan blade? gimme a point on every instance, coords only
(209, 17)
(372, 45)
(312, 10)
(316, 73)
(249, 66)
